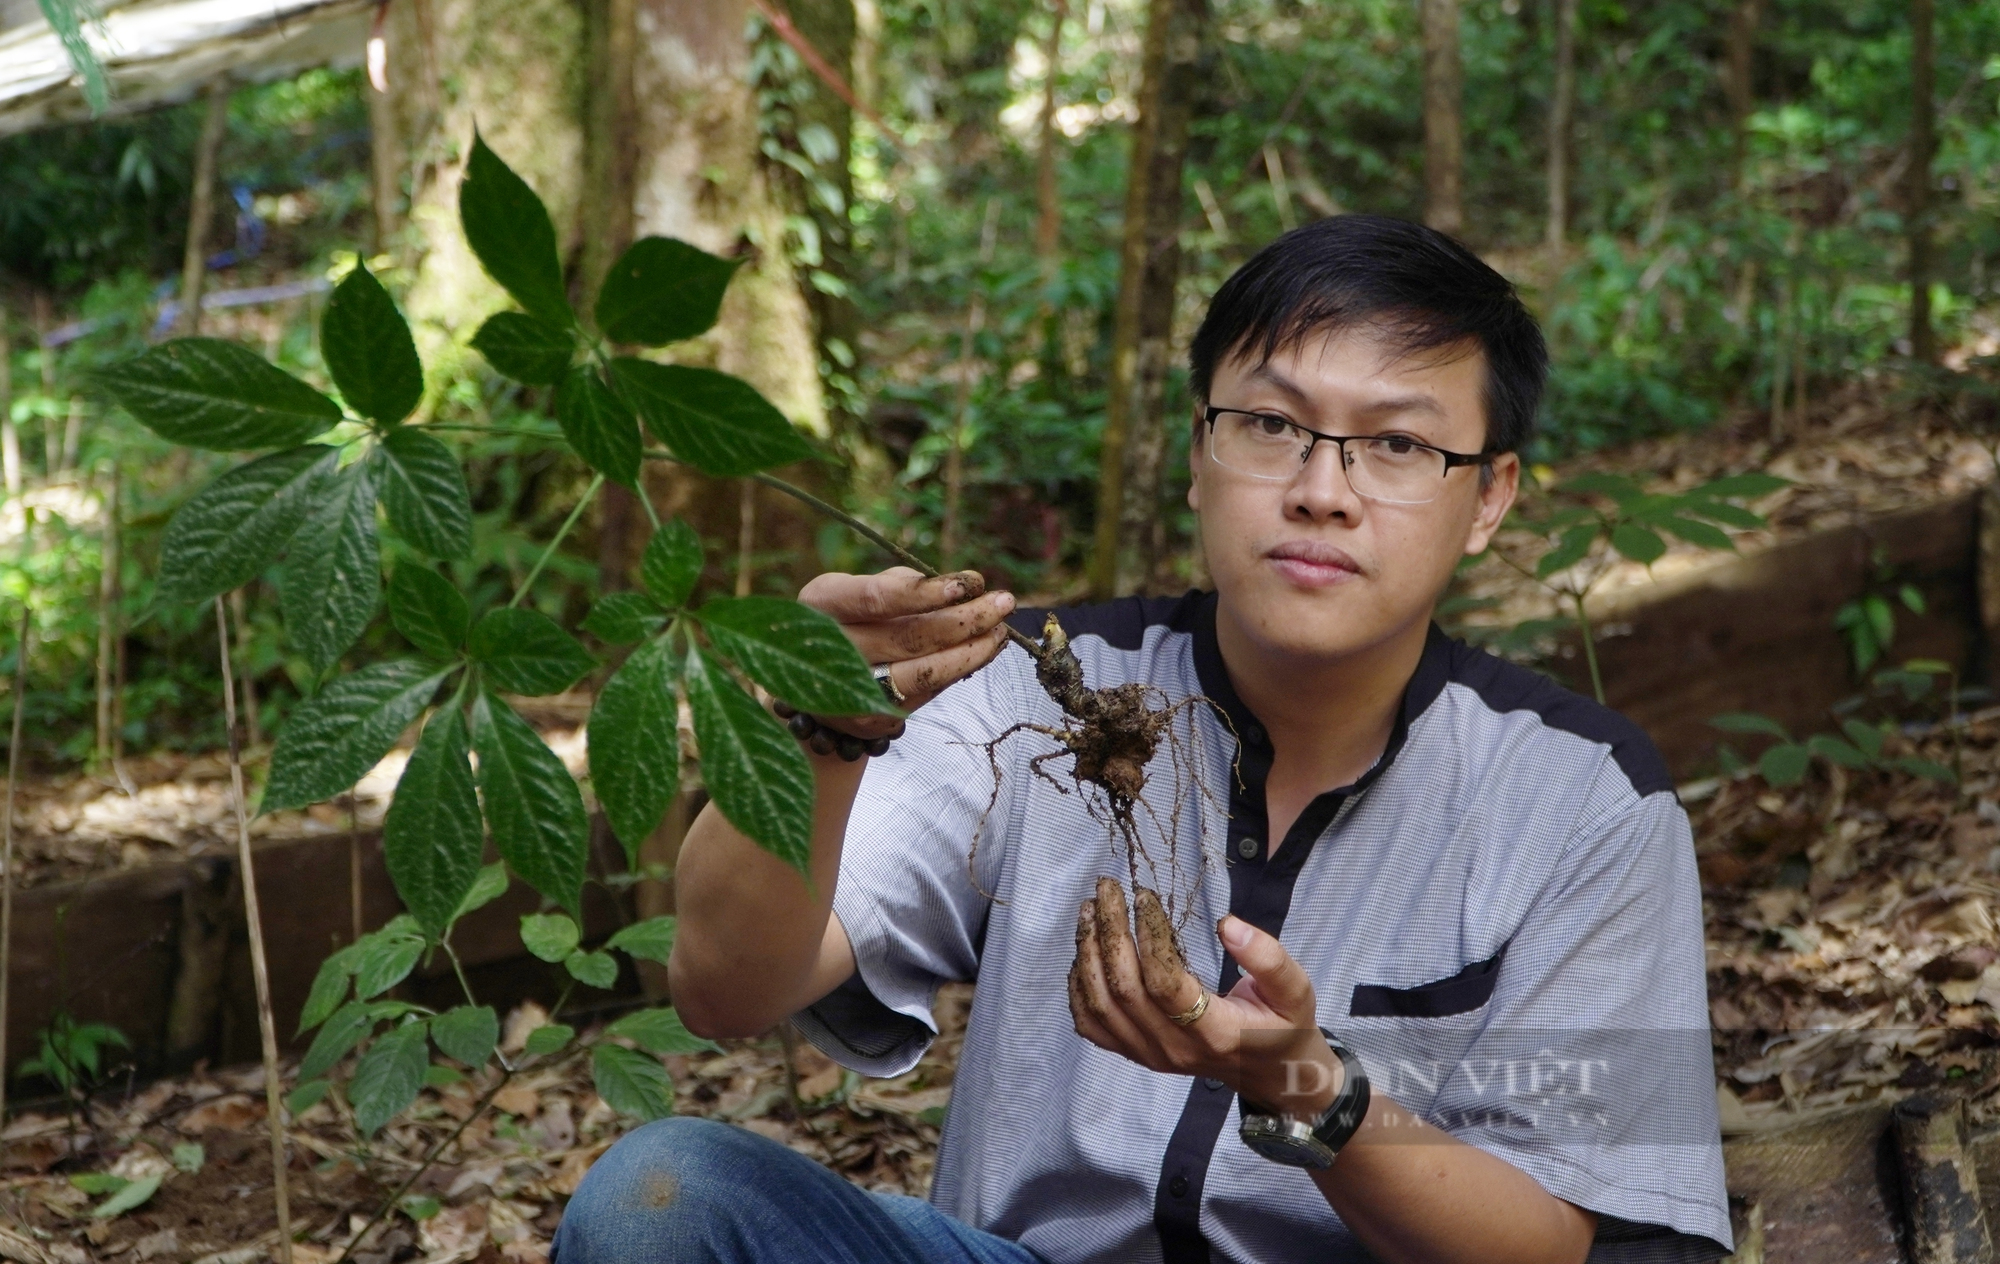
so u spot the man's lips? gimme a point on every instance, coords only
(1313, 564)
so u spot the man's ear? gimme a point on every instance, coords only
(1496, 497)
(1195, 462)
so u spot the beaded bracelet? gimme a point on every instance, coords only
(828, 741)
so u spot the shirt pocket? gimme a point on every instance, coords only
(1461, 993)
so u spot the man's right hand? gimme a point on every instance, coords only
(931, 632)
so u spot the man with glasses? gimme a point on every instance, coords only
(1454, 1006)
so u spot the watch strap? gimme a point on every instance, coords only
(1349, 1107)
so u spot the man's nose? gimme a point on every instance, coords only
(1322, 489)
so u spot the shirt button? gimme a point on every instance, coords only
(1211, 1083)
(1254, 735)
(1246, 847)
(1178, 1187)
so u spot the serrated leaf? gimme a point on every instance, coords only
(652, 939)
(1637, 543)
(428, 610)
(1784, 764)
(547, 1039)
(598, 969)
(717, 423)
(332, 577)
(1573, 548)
(632, 1083)
(1697, 533)
(1749, 722)
(622, 618)
(207, 393)
(134, 1194)
(467, 1034)
(532, 804)
(431, 837)
(796, 652)
(524, 348)
(526, 652)
(1741, 486)
(634, 743)
(599, 425)
(662, 290)
(510, 231)
(671, 564)
(661, 1031)
(228, 532)
(550, 936)
(423, 490)
(489, 886)
(756, 773)
(384, 961)
(330, 741)
(388, 1077)
(305, 1097)
(336, 1038)
(368, 349)
(329, 988)
(1831, 748)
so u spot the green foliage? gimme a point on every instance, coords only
(758, 776)
(132, 1194)
(717, 423)
(1860, 745)
(332, 740)
(206, 393)
(632, 1082)
(429, 611)
(509, 229)
(70, 1054)
(634, 743)
(369, 350)
(662, 291)
(431, 839)
(524, 651)
(423, 489)
(599, 425)
(231, 530)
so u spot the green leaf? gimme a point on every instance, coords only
(598, 969)
(717, 423)
(1574, 547)
(229, 531)
(367, 347)
(329, 989)
(1616, 486)
(1832, 749)
(438, 1075)
(1930, 768)
(526, 652)
(428, 610)
(662, 290)
(206, 393)
(509, 229)
(532, 804)
(796, 652)
(305, 1097)
(420, 1206)
(330, 741)
(621, 618)
(1912, 598)
(98, 1182)
(489, 886)
(755, 770)
(135, 1194)
(550, 936)
(632, 1083)
(332, 577)
(431, 838)
(599, 425)
(1726, 514)
(1741, 486)
(672, 563)
(341, 1033)
(1881, 619)
(1867, 737)
(634, 742)
(1637, 543)
(525, 349)
(388, 1077)
(384, 959)
(1749, 722)
(423, 491)
(549, 1038)
(652, 939)
(1784, 764)
(1928, 666)
(661, 1031)
(467, 1034)
(1698, 533)
(190, 1156)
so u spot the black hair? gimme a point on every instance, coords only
(1420, 288)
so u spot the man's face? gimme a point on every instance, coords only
(1306, 567)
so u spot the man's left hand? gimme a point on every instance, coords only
(1262, 1039)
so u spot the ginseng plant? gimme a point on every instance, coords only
(309, 508)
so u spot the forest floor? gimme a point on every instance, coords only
(1850, 936)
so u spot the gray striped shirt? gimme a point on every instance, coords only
(1502, 918)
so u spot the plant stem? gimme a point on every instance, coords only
(458, 968)
(589, 494)
(7, 832)
(389, 1205)
(266, 1024)
(1589, 646)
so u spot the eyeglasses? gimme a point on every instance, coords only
(1392, 469)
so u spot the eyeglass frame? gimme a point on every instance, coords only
(1452, 460)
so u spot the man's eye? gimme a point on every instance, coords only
(1271, 426)
(1399, 446)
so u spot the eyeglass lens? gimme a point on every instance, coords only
(1391, 469)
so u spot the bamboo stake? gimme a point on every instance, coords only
(746, 534)
(10, 439)
(253, 724)
(954, 458)
(194, 261)
(7, 831)
(353, 867)
(266, 1024)
(108, 586)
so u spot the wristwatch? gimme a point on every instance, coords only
(1311, 1143)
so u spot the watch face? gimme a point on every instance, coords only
(1285, 1141)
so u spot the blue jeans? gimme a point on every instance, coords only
(695, 1191)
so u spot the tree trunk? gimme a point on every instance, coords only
(1048, 200)
(385, 152)
(1562, 105)
(1149, 265)
(610, 118)
(10, 438)
(194, 260)
(829, 26)
(1444, 104)
(1923, 147)
(1737, 81)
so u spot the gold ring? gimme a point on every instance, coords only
(1193, 1013)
